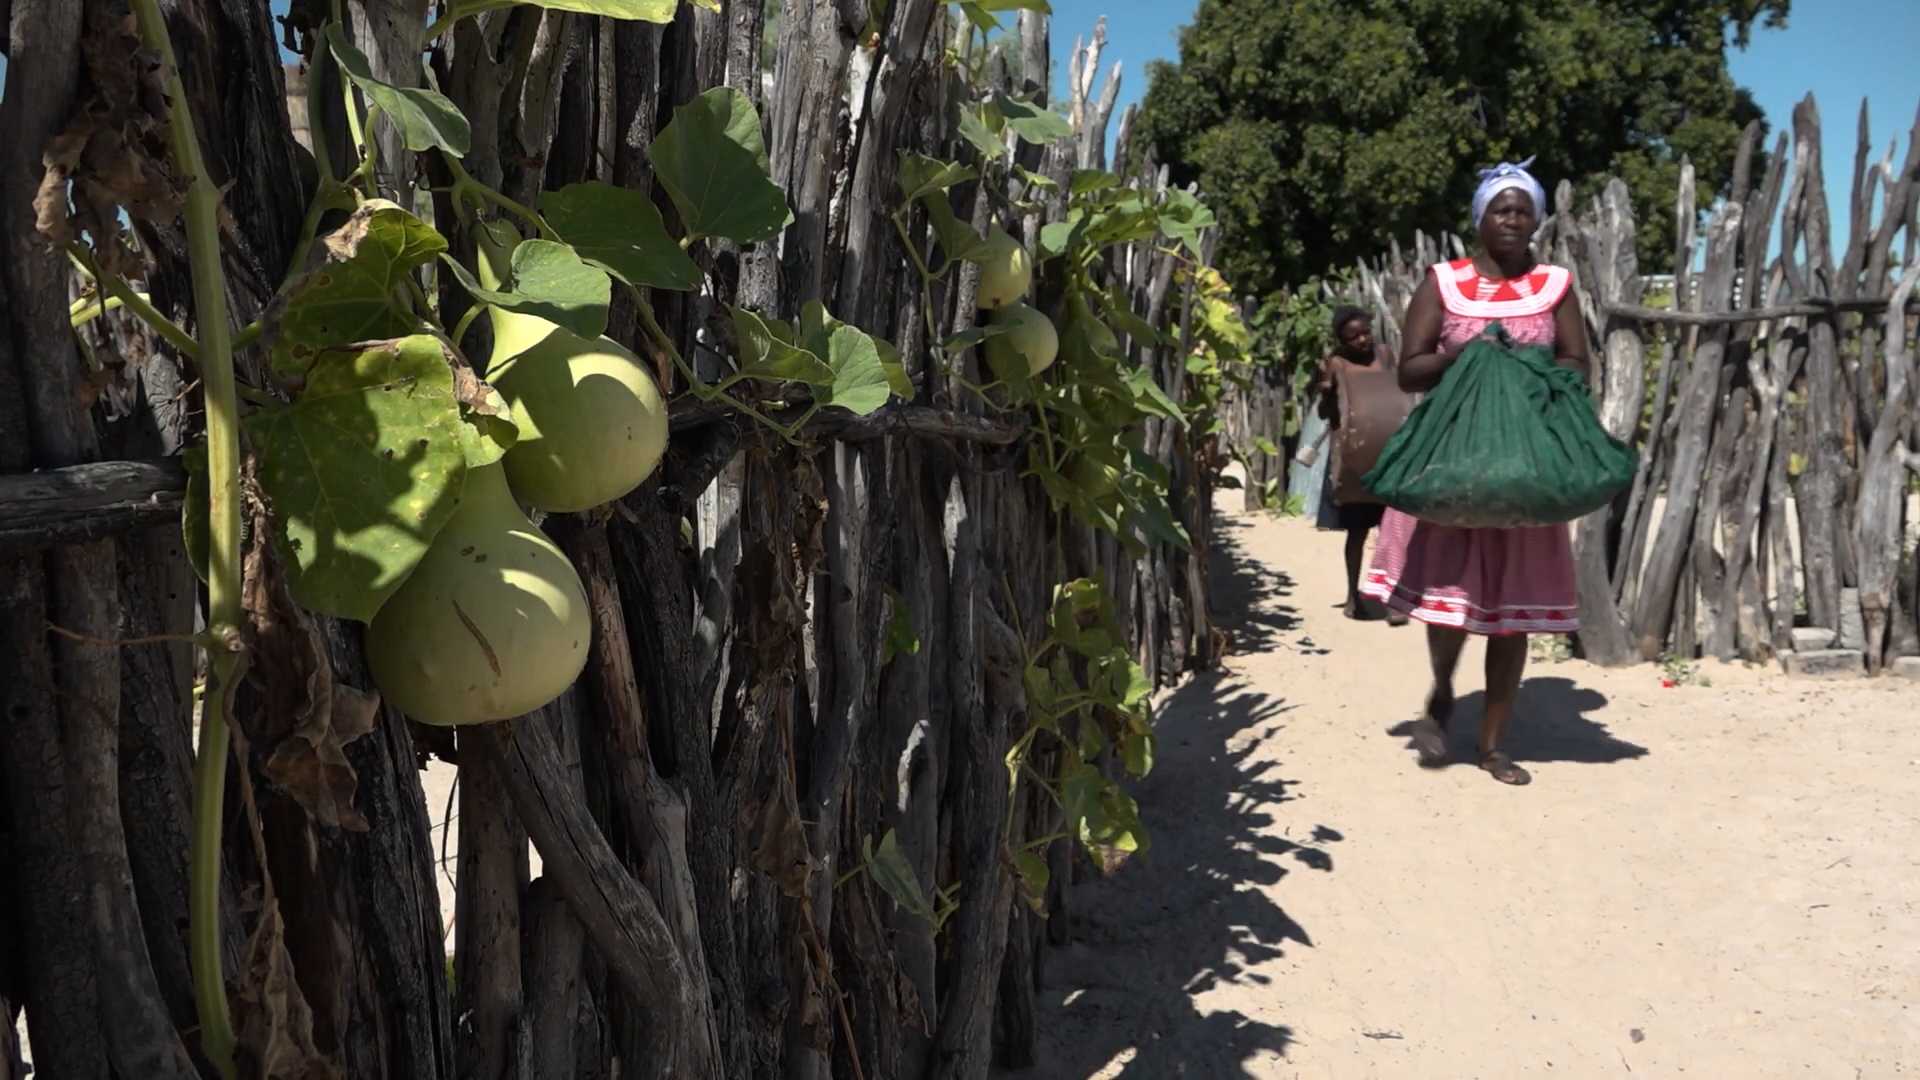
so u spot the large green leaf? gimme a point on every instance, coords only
(1123, 319)
(895, 367)
(1058, 237)
(359, 293)
(1183, 217)
(425, 119)
(1088, 181)
(894, 874)
(959, 241)
(621, 230)
(1149, 396)
(653, 11)
(860, 384)
(1032, 878)
(362, 471)
(713, 161)
(767, 352)
(922, 175)
(550, 282)
(1034, 123)
(866, 371)
(980, 17)
(977, 126)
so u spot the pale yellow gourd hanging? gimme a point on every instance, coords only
(491, 624)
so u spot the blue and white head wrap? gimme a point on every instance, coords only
(1504, 177)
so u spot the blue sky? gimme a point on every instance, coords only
(1839, 50)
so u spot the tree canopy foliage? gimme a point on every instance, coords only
(1319, 129)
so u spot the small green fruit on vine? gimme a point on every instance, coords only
(592, 421)
(491, 624)
(1005, 272)
(1029, 337)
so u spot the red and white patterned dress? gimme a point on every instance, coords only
(1483, 581)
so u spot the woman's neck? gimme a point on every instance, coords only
(1512, 266)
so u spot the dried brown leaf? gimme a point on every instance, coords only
(913, 1016)
(93, 384)
(471, 391)
(813, 1003)
(272, 1020)
(306, 719)
(779, 842)
(50, 202)
(112, 155)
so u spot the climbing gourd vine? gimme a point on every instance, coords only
(1060, 358)
(370, 469)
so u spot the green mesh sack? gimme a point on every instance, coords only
(1505, 440)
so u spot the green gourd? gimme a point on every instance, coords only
(491, 624)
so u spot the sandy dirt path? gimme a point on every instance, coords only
(1705, 881)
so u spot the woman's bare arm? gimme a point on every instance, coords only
(1570, 336)
(1423, 361)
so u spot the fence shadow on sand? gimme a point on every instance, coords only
(1121, 1001)
(1249, 597)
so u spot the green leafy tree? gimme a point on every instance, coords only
(1318, 129)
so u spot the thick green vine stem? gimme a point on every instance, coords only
(223, 548)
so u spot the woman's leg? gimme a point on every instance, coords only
(1443, 650)
(1429, 732)
(1356, 551)
(1506, 661)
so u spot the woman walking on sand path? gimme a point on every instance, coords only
(1354, 344)
(1502, 584)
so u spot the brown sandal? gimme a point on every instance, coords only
(1503, 769)
(1430, 730)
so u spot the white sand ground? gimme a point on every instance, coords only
(1705, 881)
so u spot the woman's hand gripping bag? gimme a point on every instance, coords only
(1505, 440)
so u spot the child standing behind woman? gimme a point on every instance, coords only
(1354, 344)
(1502, 584)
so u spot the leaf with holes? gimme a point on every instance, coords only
(549, 282)
(620, 229)
(425, 119)
(362, 471)
(359, 290)
(713, 161)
